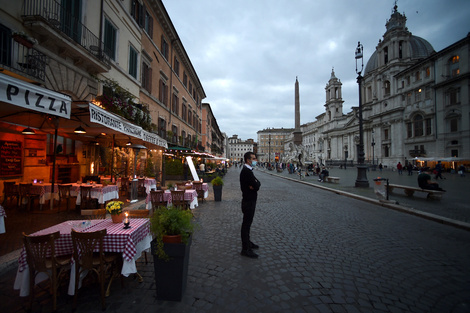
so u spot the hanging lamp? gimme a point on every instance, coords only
(80, 130)
(28, 131)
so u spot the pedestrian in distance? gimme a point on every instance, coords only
(249, 185)
(438, 170)
(380, 167)
(400, 168)
(410, 169)
(425, 182)
(462, 170)
(323, 174)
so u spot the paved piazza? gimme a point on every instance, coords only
(319, 252)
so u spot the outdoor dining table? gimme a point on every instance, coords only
(205, 187)
(44, 190)
(98, 191)
(149, 183)
(190, 195)
(130, 242)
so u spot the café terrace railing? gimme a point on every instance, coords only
(58, 18)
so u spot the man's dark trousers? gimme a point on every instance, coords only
(248, 209)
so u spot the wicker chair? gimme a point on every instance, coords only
(10, 190)
(177, 199)
(200, 192)
(86, 259)
(41, 258)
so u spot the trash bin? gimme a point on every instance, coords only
(380, 188)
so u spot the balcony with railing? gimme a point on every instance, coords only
(417, 153)
(66, 34)
(21, 58)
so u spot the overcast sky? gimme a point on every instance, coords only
(247, 53)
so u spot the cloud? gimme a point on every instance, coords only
(247, 54)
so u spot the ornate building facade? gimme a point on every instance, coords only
(415, 104)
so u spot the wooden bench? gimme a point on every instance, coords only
(409, 191)
(332, 179)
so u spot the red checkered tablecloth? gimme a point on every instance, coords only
(123, 240)
(42, 189)
(117, 239)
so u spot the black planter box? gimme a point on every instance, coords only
(217, 193)
(171, 276)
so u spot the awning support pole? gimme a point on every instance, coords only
(112, 159)
(56, 126)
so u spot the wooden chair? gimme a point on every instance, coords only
(24, 190)
(177, 199)
(141, 190)
(156, 197)
(181, 186)
(87, 202)
(64, 194)
(98, 214)
(124, 189)
(10, 190)
(200, 193)
(41, 258)
(86, 259)
(139, 213)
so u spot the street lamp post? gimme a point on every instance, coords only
(373, 151)
(361, 180)
(269, 151)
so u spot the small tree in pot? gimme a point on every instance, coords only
(217, 184)
(171, 258)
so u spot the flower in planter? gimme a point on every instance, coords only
(114, 207)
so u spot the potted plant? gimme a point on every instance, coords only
(171, 258)
(217, 184)
(115, 209)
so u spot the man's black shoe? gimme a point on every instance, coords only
(249, 253)
(253, 246)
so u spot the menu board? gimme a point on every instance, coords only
(11, 160)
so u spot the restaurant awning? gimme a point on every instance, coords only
(446, 159)
(117, 123)
(27, 105)
(29, 96)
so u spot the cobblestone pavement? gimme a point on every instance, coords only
(453, 205)
(319, 252)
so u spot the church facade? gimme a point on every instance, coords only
(415, 106)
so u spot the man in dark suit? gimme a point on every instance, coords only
(249, 186)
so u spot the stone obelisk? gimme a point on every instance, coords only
(297, 132)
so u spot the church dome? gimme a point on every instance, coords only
(419, 49)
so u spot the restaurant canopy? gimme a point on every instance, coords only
(27, 105)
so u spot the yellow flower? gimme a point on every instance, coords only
(114, 207)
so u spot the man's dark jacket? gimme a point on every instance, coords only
(247, 179)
